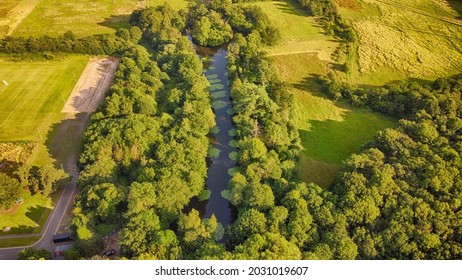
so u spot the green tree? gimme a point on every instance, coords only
(34, 254)
(10, 190)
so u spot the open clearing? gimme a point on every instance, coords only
(83, 17)
(34, 96)
(329, 131)
(300, 33)
(402, 39)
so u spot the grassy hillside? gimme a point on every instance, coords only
(330, 132)
(403, 39)
(34, 96)
(83, 17)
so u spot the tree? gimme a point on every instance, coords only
(48, 177)
(10, 190)
(268, 246)
(34, 254)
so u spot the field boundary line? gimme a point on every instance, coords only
(18, 15)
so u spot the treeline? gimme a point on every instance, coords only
(401, 195)
(145, 149)
(109, 44)
(400, 100)
(214, 23)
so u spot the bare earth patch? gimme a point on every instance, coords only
(90, 88)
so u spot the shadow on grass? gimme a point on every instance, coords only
(312, 84)
(64, 141)
(116, 22)
(285, 6)
(36, 214)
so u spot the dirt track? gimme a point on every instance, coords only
(90, 88)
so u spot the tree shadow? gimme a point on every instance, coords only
(284, 6)
(9, 167)
(457, 6)
(312, 84)
(116, 22)
(64, 141)
(35, 214)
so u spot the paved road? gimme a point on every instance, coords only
(51, 226)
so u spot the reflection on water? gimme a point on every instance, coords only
(218, 177)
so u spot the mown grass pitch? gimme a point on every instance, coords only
(83, 17)
(330, 132)
(34, 96)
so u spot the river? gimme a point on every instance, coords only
(215, 69)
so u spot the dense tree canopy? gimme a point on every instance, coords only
(401, 195)
(10, 190)
(212, 23)
(145, 149)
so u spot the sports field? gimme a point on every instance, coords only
(33, 95)
(330, 132)
(83, 17)
(300, 33)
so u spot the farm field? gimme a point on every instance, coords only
(393, 47)
(34, 96)
(330, 132)
(300, 33)
(83, 17)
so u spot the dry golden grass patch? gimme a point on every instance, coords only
(407, 41)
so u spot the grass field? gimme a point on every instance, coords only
(299, 32)
(17, 242)
(404, 39)
(329, 131)
(83, 17)
(34, 96)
